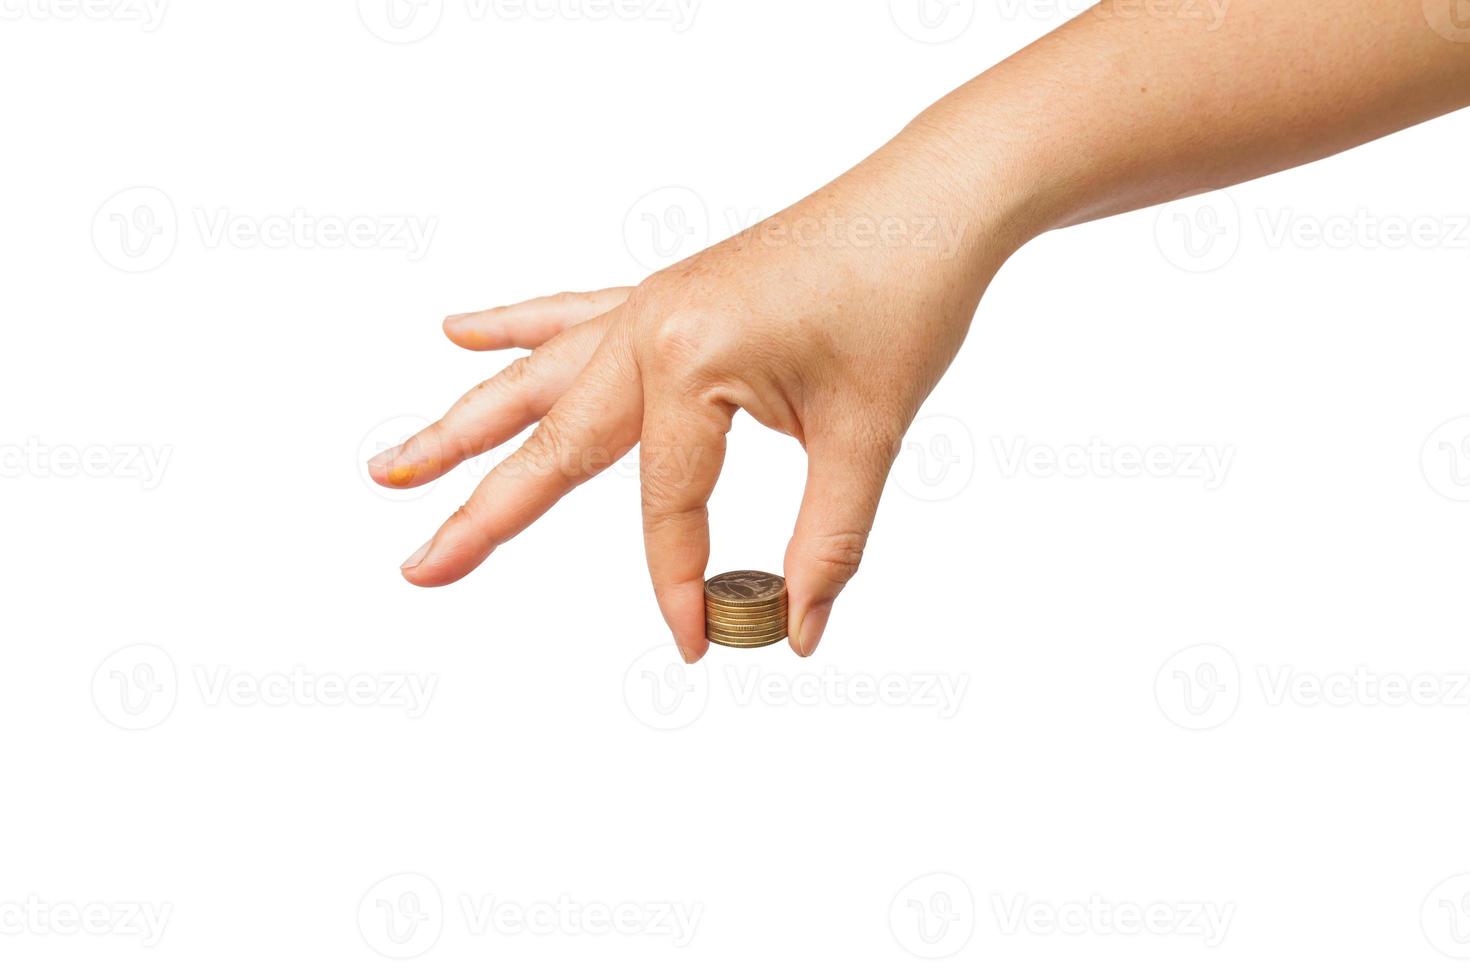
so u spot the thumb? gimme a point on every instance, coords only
(843, 486)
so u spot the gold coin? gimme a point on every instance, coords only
(751, 610)
(751, 635)
(727, 604)
(745, 609)
(744, 588)
(771, 620)
(745, 644)
(744, 634)
(742, 606)
(768, 617)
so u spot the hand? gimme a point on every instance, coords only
(831, 323)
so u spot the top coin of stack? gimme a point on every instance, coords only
(745, 609)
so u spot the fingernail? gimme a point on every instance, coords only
(813, 626)
(383, 458)
(690, 656)
(417, 558)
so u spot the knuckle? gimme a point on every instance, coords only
(683, 341)
(516, 374)
(838, 554)
(471, 514)
(661, 500)
(547, 445)
(664, 515)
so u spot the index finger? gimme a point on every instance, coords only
(682, 451)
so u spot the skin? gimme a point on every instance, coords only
(833, 320)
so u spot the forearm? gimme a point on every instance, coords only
(1145, 101)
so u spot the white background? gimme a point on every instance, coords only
(561, 757)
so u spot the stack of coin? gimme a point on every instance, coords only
(745, 609)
